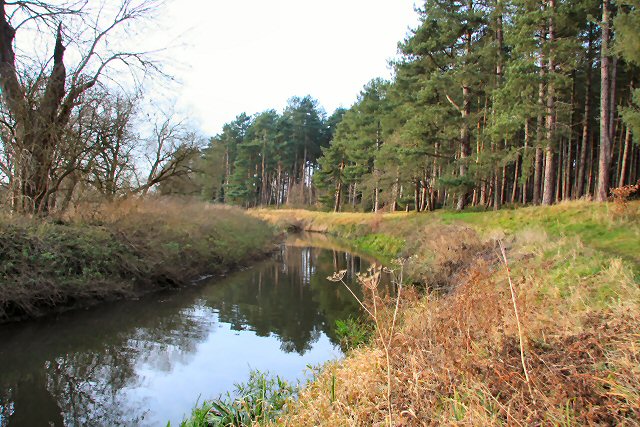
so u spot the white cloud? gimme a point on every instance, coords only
(250, 55)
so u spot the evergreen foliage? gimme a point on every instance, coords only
(491, 103)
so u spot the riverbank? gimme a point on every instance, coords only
(456, 355)
(120, 251)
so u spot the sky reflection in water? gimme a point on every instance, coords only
(146, 362)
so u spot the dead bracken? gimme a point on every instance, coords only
(458, 354)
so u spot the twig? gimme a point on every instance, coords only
(395, 311)
(371, 282)
(515, 310)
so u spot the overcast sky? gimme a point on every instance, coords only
(236, 56)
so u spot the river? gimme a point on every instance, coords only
(148, 361)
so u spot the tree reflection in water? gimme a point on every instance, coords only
(81, 368)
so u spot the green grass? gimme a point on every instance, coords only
(596, 224)
(580, 240)
(384, 246)
(353, 333)
(259, 401)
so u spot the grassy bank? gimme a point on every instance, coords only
(118, 251)
(455, 356)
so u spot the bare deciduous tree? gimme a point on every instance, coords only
(170, 150)
(40, 99)
(113, 166)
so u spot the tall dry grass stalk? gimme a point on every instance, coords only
(476, 350)
(505, 261)
(370, 281)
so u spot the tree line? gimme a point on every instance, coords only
(505, 101)
(492, 102)
(268, 158)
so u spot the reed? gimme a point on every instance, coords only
(254, 403)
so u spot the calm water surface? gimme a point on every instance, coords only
(147, 362)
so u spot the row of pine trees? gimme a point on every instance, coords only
(492, 102)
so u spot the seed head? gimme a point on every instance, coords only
(337, 276)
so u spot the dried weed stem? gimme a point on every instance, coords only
(370, 281)
(505, 261)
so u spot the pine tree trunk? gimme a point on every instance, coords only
(538, 165)
(625, 156)
(303, 181)
(376, 196)
(497, 194)
(503, 186)
(396, 191)
(464, 142)
(434, 177)
(549, 177)
(580, 182)
(279, 185)
(338, 195)
(591, 166)
(604, 160)
(355, 195)
(516, 176)
(263, 187)
(619, 148)
(634, 164)
(465, 146)
(526, 148)
(567, 188)
(559, 172)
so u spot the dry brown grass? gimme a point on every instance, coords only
(456, 357)
(123, 249)
(456, 361)
(321, 222)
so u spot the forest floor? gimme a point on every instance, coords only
(119, 251)
(459, 354)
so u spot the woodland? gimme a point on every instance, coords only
(515, 317)
(491, 103)
(71, 111)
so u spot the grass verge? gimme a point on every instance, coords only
(457, 355)
(120, 250)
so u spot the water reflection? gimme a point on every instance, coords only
(145, 362)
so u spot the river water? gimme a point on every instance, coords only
(147, 362)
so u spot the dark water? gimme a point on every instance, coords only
(147, 362)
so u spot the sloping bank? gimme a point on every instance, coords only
(455, 357)
(120, 251)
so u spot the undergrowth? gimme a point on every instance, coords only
(257, 402)
(460, 356)
(119, 250)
